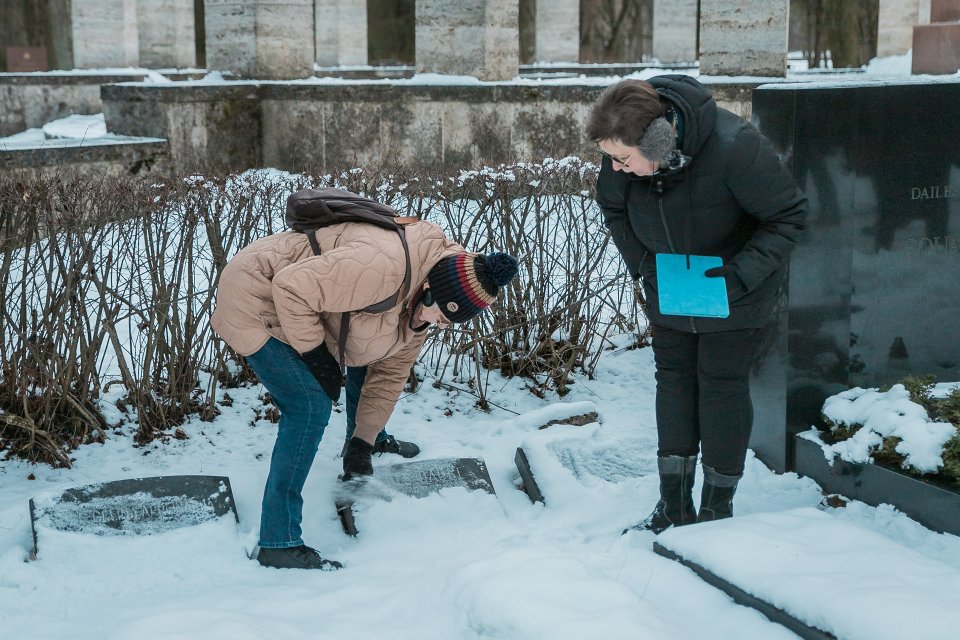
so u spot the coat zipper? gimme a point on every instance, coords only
(663, 219)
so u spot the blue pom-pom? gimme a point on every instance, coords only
(502, 267)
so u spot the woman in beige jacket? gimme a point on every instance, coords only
(279, 305)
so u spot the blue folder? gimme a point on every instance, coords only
(685, 291)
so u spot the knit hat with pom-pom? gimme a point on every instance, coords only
(465, 284)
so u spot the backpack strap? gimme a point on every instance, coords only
(312, 237)
(342, 340)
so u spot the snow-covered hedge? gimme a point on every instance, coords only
(110, 284)
(914, 424)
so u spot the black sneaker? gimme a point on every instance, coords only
(392, 445)
(302, 557)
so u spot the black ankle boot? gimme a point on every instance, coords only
(675, 507)
(302, 557)
(399, 447)
(716, 502)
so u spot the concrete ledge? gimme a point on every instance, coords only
(89, 158)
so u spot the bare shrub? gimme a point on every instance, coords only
(112, 282)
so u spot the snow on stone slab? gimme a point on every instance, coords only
(832, 575)
(571, 464)
(76, 126)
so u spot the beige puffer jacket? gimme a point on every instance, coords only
(277, 287)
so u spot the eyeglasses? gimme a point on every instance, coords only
(427, 298)
(614, 158)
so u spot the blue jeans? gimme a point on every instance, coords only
(304, 414)
(355, 378)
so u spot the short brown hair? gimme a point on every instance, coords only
(623, 112)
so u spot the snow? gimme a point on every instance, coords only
(71, 131)
(76, 126)
(887, 414)
(455, 564)
(72, 127)
(855, 583)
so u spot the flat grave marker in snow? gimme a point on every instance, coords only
(588, 452)
(415, 479)
(821, 577)
(137, 506)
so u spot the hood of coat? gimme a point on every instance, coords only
(697, 108)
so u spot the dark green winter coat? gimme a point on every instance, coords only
(733, 199)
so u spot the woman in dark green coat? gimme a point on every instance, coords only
(681, 175)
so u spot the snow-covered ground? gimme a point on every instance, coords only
(452, 565)
(455, 564)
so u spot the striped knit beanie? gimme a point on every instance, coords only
(465, 284)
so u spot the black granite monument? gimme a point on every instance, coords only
(873, 285)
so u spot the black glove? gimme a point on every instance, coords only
(357, 460)
(735, 287)
(325, 369)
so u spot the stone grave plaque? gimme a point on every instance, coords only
(529, 485)
(415, 479)
(587, 458)
(138, 506)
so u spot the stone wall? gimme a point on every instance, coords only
(240, 125)
(141, 158)
(207, 127)
(31, 100)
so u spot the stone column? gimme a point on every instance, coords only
(341, 28)
(675, 30)
(105, 33)
(479, 38)
(166, 31)
(744, 37)
(260, 39)
(557, 31)
(895, 26)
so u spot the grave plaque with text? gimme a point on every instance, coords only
(137, 506)
(415, 479)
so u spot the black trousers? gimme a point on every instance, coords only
(703, 395)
